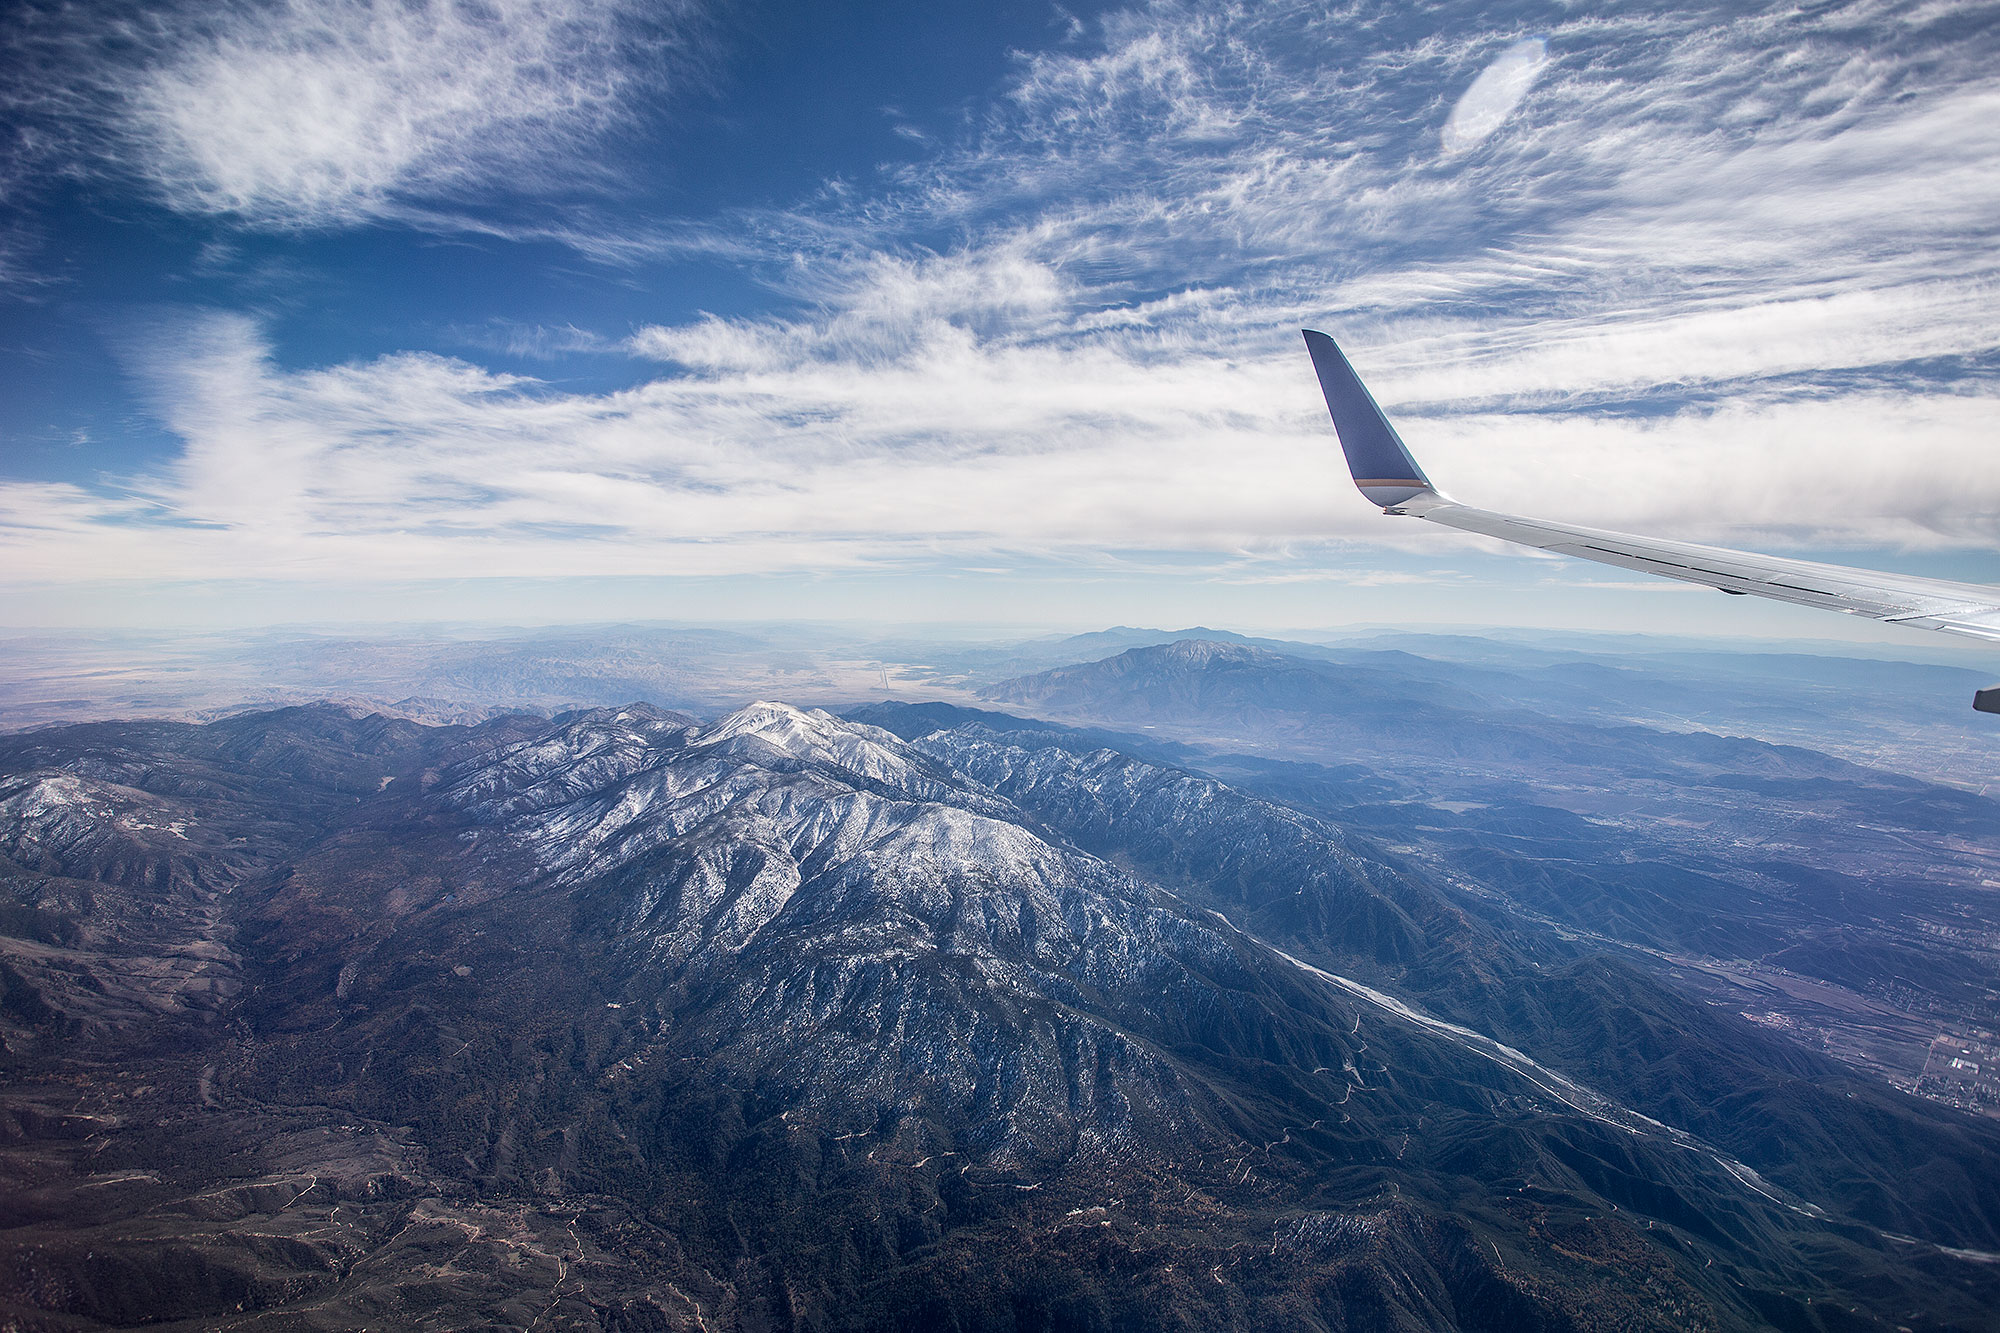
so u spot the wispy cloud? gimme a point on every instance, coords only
(1485, 106)
(1749, 255)
(422, 462)
(535, 342)
(953, 448)
(1699, 236)
(297, 114)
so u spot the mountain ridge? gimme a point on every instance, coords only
(784, 1012)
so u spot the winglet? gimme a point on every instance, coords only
(1381, 463)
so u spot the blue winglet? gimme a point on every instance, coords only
(1380, 461)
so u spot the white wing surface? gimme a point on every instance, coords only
(1386, 473)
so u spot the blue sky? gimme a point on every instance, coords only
(522, 311)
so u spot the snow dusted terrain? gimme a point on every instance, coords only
(627, 1019)
(880, 928)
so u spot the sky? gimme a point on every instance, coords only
(529, 312)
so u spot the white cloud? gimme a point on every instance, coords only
(535, 342)
(1864, 469)
(1702, 241)
(330, 112)
(1730, 345)
(878, 308)
(951, 447)
(1485, 106)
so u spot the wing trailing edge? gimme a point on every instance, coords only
(1387, 473)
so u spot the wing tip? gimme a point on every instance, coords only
(1382, 466)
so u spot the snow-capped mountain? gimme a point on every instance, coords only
(866, 926)
(632, 1020)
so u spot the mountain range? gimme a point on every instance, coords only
(925, 1018)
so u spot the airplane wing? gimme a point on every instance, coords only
(1388, 475)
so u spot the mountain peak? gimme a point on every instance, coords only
(1196, 651)
(635, 714)
(771, 720)
(813, 735)
(1196, 681)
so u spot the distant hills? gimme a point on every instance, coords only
(1209, 684)
(1895, 715)
(1760, 875)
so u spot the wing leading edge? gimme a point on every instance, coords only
(1388, 475)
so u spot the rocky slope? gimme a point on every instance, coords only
(628, 1021)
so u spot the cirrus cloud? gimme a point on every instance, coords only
(285, 113)
(1485, 106)
(1073, 331)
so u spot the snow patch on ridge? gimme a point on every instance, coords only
(816, 736)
